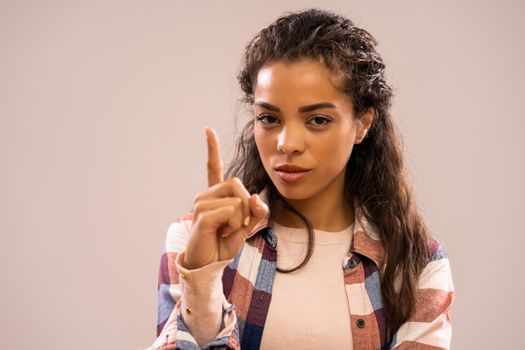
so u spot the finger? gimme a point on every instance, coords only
(230, 232)
(259, 210)
(205, 205)
(215, 165)
(210, 221)
(232, 187)
(258, 207)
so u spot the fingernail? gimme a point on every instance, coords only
(247, 221)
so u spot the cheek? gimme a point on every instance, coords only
(263, 144)
(336, 153)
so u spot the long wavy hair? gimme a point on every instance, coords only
(375, 173)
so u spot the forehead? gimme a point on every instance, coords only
(299, 82)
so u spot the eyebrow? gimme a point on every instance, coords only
(302, 109)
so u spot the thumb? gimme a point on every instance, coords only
(258, 208)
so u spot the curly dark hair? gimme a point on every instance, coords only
(375, 174)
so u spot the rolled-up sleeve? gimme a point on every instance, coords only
(192, 310)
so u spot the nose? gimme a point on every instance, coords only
(290, 140)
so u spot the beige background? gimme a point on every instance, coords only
(102, 111)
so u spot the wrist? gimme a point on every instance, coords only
(189, 264)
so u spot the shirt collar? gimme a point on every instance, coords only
(365, 239)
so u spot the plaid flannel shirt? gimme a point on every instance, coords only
(247, 285)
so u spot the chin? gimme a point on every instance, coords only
(292, 193)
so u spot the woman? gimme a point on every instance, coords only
(314, 237)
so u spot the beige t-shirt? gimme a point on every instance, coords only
(309, 307)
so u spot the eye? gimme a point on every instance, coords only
(320, 120)
(265, 119)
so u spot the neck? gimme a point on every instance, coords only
(325, 212)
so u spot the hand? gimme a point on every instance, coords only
(223, 214)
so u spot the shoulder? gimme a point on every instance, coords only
(178, 233)
(436, 250)
(437, 273)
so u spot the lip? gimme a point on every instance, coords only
(291, 168)
(292, 177)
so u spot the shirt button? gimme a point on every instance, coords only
(352, 263)
(360, 323)
(183, 276)
(188, 310)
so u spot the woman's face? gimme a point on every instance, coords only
(303, 119)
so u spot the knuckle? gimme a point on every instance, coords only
(215, 165)
(236, 180)
(197, 207)
(197, 197)
(238, 185)
(236, 203)
(204, 220)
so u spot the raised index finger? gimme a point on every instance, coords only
(215, 165)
